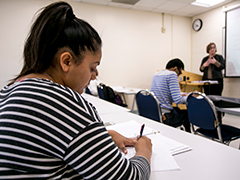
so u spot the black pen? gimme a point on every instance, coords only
(141, 131)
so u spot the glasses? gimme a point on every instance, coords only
(213, 47)
(180, 71)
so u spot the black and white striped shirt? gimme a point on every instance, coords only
(48, 131)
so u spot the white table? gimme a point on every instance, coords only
(226, 104)
(207, 160)
(126, 91)
(234, 111)
(102, 106)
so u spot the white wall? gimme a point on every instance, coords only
(213, 23)
(134, 47)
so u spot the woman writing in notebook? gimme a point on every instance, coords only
(212, 66)
(48, 130)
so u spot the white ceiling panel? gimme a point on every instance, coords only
(150, 3)
(175, 7)
(172, 5)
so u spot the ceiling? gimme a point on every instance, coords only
(174, 7)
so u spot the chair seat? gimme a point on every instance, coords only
(228, 132)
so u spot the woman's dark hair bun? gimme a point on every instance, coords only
(70, 14)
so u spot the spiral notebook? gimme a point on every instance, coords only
(163, 148)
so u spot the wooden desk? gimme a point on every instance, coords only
(187, 86)
(185, 82)
(190, 86)
(181, 106)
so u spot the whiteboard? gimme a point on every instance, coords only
(232, 43)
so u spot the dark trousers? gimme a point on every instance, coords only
(177, 118)
(214, 89)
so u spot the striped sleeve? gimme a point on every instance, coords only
(175, 89)
(101, 159)
(165, 87)
(48, 131)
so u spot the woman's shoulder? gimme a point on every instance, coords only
(43, 86)
(218, 55)
(206, 57)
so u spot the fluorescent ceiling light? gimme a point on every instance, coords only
(206, 3)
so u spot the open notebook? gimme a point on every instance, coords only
(163, 148)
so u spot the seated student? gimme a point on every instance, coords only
(47, 129)
(166, 88)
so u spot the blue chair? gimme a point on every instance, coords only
(148, 105)
(100, 91)
(88, 91)
(202, 115)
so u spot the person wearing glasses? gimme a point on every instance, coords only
(165, 87)
(212, 66)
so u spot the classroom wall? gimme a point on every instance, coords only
(212, 31)
(134, 47)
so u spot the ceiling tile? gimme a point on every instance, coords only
(120, 5)
(99, 2)
(142, 8)
(175, 7)
(172, 5)
(150, 3)
(184, 1)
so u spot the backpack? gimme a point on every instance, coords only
(109, 94)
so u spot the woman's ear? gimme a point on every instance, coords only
(66, 60)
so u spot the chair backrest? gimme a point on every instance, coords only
(88, 91)
(100, 91)
(148, 105)
(201, 111)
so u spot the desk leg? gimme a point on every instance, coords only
(134, 100)
(124, 98)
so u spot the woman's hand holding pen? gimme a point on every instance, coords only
(143, 147)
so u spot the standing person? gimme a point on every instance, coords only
(47, 129)
(165, 87)
(212, 66)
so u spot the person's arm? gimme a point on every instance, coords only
(94, 155)
(142, 146)
(175, 90)
(205, 63)
(218, 61)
